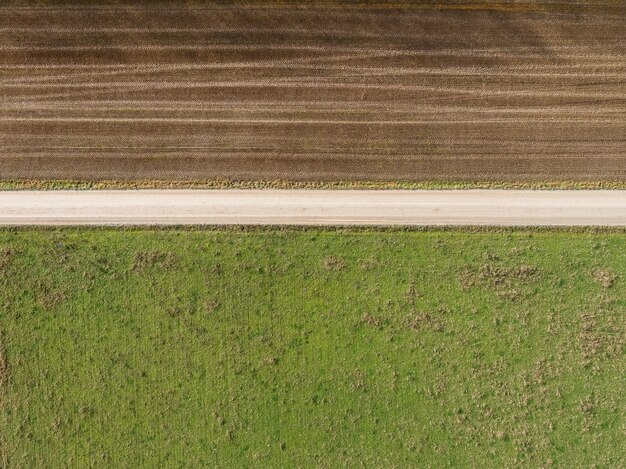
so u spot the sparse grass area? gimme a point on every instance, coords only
(312, 348)
(284, 184)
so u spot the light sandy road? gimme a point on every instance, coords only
(314, 207)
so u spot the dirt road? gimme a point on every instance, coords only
(511, 91)
(314, 207)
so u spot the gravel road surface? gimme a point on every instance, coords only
(313, 207)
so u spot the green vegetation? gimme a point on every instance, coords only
(311, 348)
(283, 184)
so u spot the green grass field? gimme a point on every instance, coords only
(312, 348)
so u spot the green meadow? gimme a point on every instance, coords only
(311, 348)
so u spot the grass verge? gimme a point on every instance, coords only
(282, 348)
(284, 184)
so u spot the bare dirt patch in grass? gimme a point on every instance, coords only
(334, 263)
(49, 295)
(604, 277)
(149, 259)
(5, 258)
(4, 369)
(507, 282)
(601, 337)
(425, 321)
(371, 320)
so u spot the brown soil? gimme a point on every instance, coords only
(530, 92)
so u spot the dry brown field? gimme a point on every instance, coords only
(509, 91)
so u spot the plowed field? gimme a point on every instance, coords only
(454, 92)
